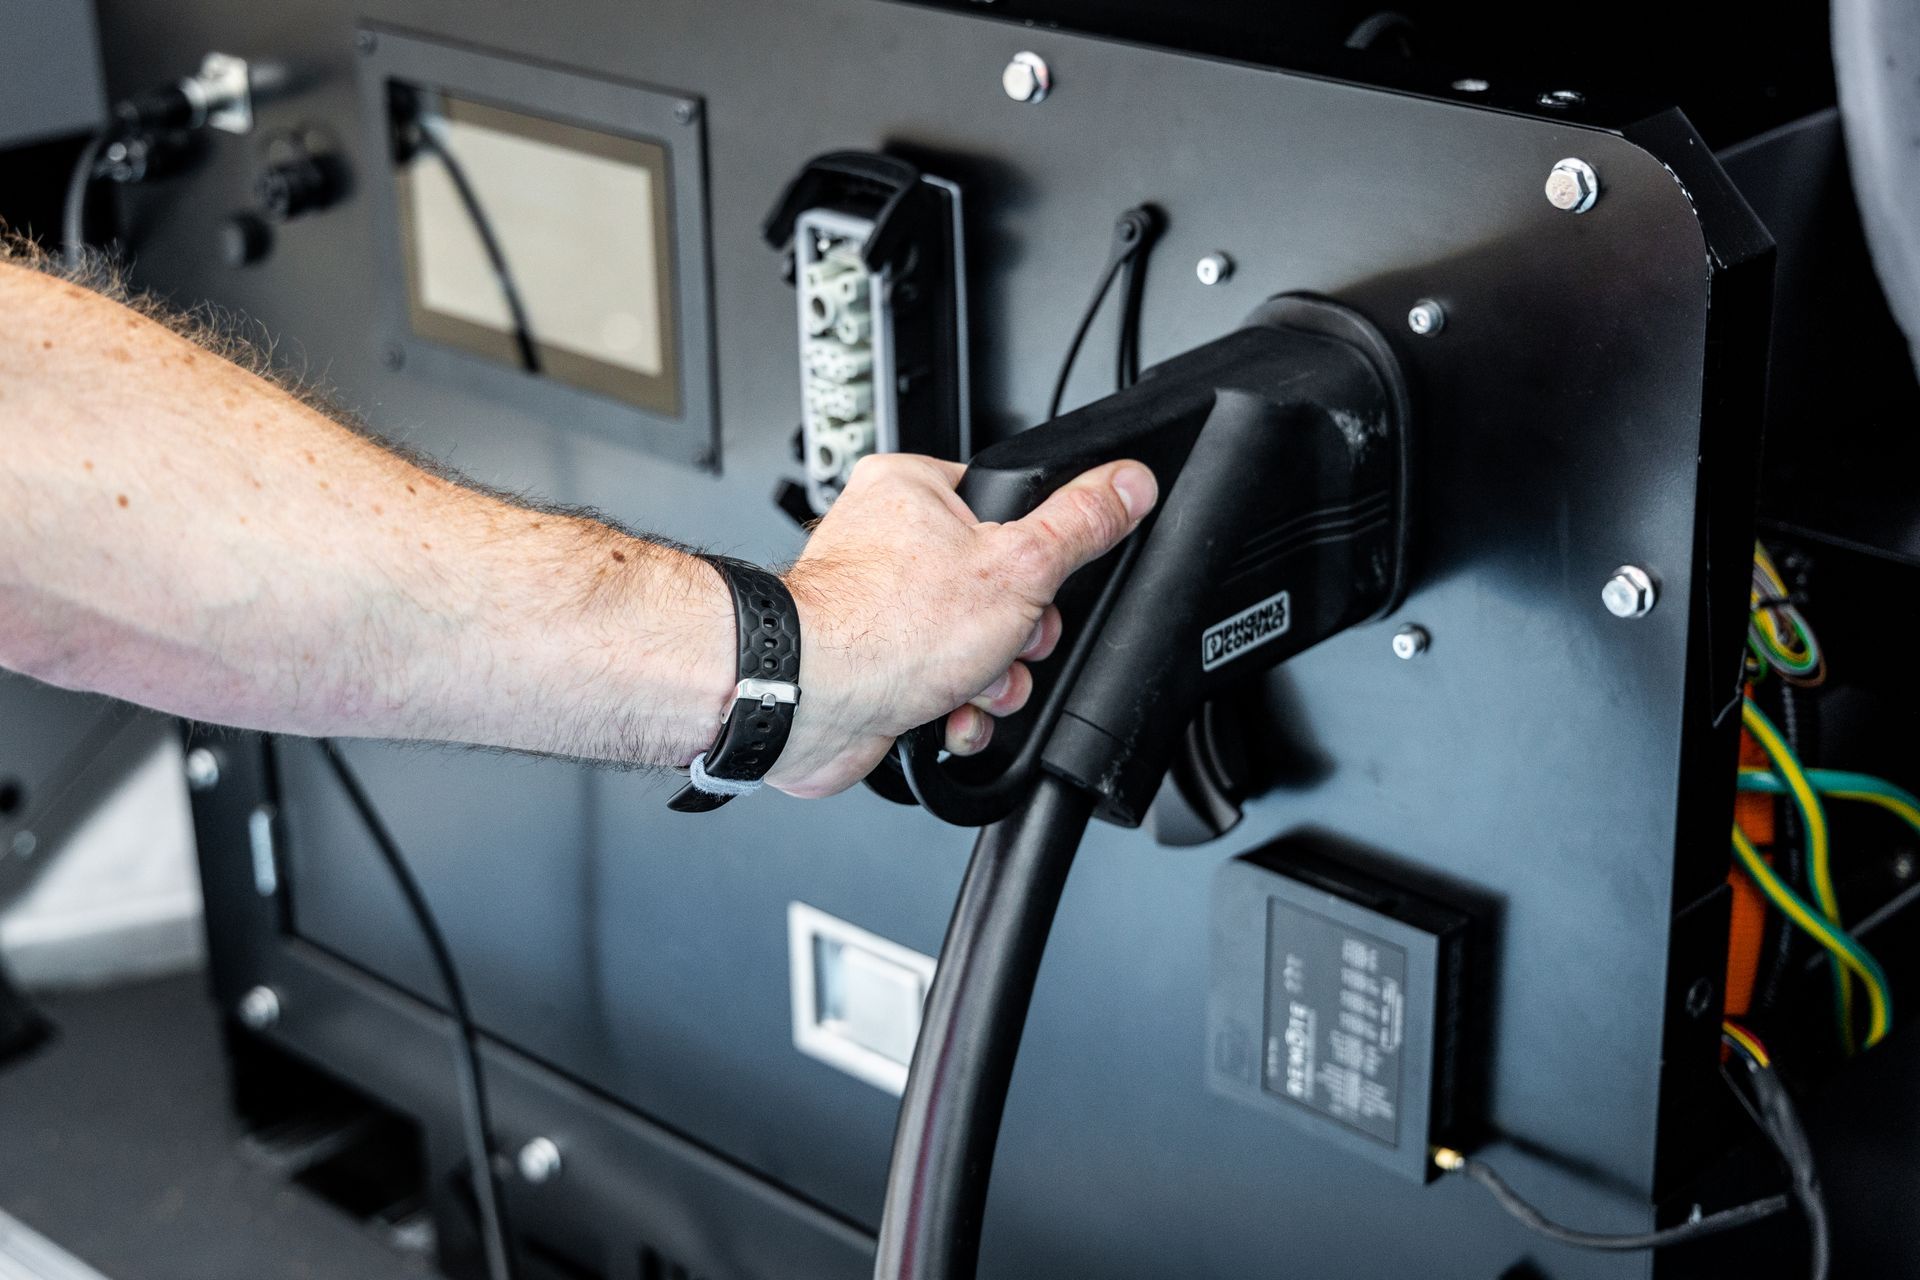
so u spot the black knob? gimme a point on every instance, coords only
(244, 240)
(302, 174)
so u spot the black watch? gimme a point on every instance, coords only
(761, 716)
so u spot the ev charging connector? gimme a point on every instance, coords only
(1282, 452)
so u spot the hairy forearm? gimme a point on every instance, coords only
(179, 532)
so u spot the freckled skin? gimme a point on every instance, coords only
(237, 585)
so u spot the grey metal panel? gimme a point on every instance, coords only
(50, 81)
(1533, 752)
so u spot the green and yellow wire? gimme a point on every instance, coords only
(1839, 784)
(1848, 954)
(1779, 637)
(1819, 844)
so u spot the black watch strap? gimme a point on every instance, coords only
(757, 724)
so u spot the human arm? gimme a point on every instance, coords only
(180, 532)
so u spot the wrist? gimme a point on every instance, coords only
(703, 637)
(825, 689)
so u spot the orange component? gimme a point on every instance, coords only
(1747, 930)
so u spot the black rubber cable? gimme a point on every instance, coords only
(950, 1114)
(1531, 1218)
(73, 213)
(1132, 285)
(1080, 335)
(1133, 235)
(510, 292)
(1781, 1122)
(476, 1124)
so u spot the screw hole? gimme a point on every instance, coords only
(11, 796)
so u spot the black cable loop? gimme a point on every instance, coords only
(476, 1122)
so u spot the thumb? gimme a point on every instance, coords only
(1085, 518)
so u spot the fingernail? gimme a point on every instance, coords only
(1033, 641)
(1137, 490)
(976, 727)
(998, 688)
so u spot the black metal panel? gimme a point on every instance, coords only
(1534, 753)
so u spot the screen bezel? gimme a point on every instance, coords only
(675, 122)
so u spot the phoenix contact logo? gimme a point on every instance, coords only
(1248, 629)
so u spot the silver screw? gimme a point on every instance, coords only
(1903, 866)
(259, 1008)
(539, 1161)
(203, 769)
(1561, 99)
(23, 844)
(1471, 84)
(1026, 78)
(1427, 317)
(1409, 642)
(1213, 268)
(1572, 185)
(1630, 592)
(686, 112)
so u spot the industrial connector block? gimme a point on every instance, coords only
(841, 348)
(879, 276)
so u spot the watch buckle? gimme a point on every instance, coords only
(768, 693)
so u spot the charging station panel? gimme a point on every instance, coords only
(1589, 402)
(1338, 1003)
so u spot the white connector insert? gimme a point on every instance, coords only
(835, 361)
(843, 347)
